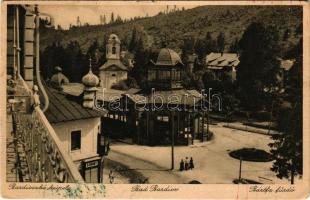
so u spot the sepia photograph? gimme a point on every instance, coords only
(156, 95)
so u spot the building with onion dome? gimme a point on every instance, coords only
(113, 70)
(90, 82)
(163, 112)
(76, 122)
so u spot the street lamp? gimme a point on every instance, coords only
(172, 140)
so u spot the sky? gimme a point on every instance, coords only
(64, 15)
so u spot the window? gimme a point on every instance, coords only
(173, 74)
(151, 75)
(113, 50)
(160, 74)
(166, 75)
(178, 75)
(75, 140)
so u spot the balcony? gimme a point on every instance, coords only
(34, 152)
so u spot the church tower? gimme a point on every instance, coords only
(113, 71)
(113, 47)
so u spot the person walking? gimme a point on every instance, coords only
(181, 165)
(191, 163)
(186, 164)
(111, 177)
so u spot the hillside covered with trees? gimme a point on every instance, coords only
(177, 26)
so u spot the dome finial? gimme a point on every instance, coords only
(90, 64)
(90, 79)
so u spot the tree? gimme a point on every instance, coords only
(104, 19)
(259, 65)
(210, 44)
(97, 55)
(118, 20)
(287, 147)
(220, 42)
(112, 18)
(200, 49)
(141, 57)
(75, 64)
(121, 85)
(59, 27)
(78, 21)
(286, 34)
(299, 29)
(234, 47)
(187, 48)
(133, 41)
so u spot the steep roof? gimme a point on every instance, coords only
(63, 107)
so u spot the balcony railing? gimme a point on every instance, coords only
(45, 157)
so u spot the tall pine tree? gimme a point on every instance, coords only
(287, 147)
(259, 65)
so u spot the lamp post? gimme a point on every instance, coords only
(172, 140)
(240, 165)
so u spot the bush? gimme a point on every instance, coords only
(252, 154)
(261, 116)
(120, 86)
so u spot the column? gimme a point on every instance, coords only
(29, 48)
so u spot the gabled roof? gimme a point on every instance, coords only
(113, 62)
(220, 60)
(63, 107)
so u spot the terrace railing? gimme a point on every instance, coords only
(45, 157)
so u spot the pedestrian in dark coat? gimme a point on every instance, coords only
(181, 165)
(191, 163)
(186, 164)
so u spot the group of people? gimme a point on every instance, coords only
(187, 164)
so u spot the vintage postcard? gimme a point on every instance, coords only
(155, 99)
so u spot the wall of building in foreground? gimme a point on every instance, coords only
(89, 132)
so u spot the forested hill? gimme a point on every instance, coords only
(176, 26)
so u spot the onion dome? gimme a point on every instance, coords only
(90, 79)
(168, 57)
